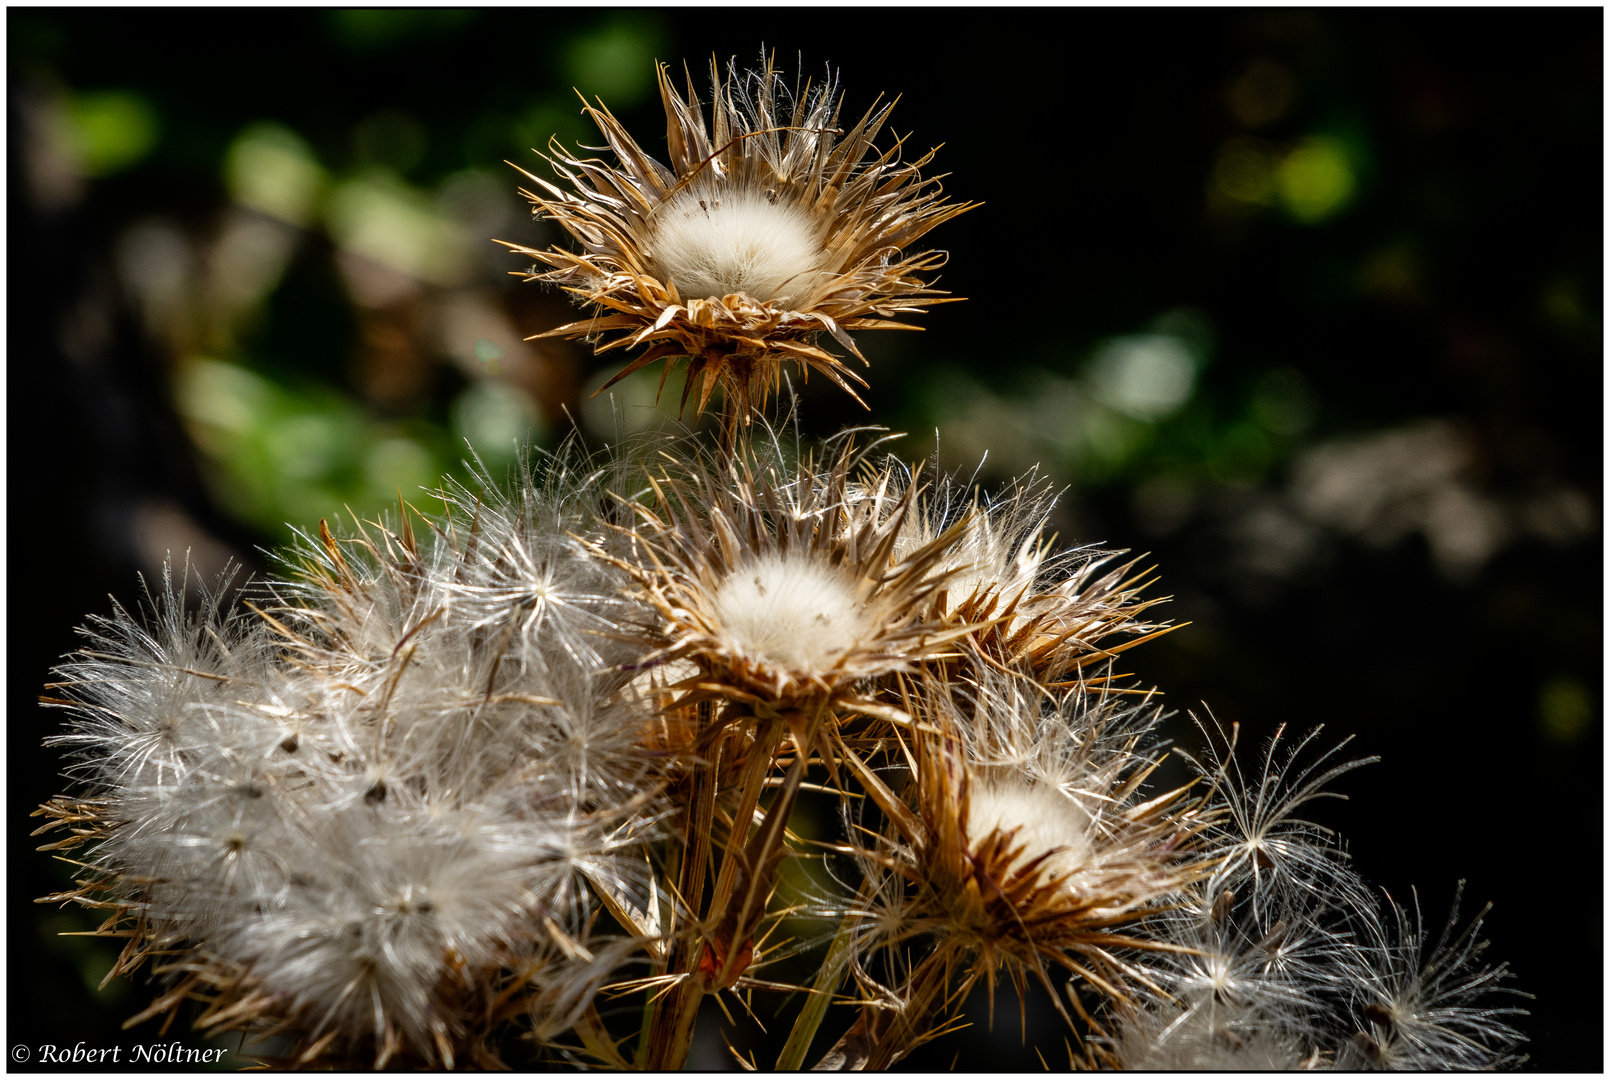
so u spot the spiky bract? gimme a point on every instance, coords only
(781, 584)
(1040, 611)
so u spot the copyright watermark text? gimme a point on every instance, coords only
(169, 1053)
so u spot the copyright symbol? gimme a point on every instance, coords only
(20, 1053)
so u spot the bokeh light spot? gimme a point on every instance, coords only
(380, 217)
(1144, 376)
(1564, 709)
(1316, 180)
(493, 416)
(272, 169)
(398, 464)
(113, 130)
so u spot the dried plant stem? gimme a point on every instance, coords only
(756, 768)
(818, 999)
(671, 1029)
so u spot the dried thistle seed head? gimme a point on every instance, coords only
(1418, 1004)
(792, 612)
(356, 817)
(1042, 611)
(1049, 832)
(711, 247)
(1259, 834)
(777, 586)
(1242, 988)
(773, 224)
(1010, 855)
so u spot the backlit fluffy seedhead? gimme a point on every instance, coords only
(772, 225)
(1245, 988)
(1043, 612)
(778, 587)
(1420, 1005)
(1009, 857)
(382, 814)
(1259, 836)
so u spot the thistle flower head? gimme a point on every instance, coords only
(778, 586)
(1039, 610)
(773, 224)
(1008, 856)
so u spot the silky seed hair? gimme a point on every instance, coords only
(1416, 1003)
(1029, 862)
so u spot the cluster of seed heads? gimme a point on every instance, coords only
(464, 780)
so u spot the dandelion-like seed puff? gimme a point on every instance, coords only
(772, 225)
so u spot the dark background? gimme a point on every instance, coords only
(1369, 241)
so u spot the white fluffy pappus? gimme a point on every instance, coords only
(1046, 825)
(363, 814)
(792, 611)
(1245, 991)
(1420, 1004)
(712, 243)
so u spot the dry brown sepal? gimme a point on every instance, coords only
(1053, 632)
(865, 209)
(1042, 613)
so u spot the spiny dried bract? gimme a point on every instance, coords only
(771, 226)
(1021, 840)
(366, 817)
(1042, 612)
(1418, 1008)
